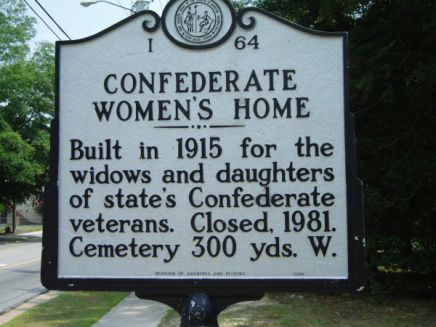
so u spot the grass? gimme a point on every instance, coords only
(310, 310)
(22, 229)
(17, 237)
(171, 319)
(69, 309)
(28, 228)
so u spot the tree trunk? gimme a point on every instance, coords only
(14, 217)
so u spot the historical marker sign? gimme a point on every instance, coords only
(203, 150)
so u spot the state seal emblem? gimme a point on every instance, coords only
(198, 21)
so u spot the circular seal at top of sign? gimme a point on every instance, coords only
(198, 23)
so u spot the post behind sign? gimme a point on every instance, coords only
(199, 309)
(207, 152)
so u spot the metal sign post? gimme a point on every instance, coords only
(199, 309)
(203, 152)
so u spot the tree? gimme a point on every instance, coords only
(393, 77)
(26, 106)
(16, 29)
(334, 15)
(20, 172)
(27, 92)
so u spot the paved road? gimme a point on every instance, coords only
(19, 273)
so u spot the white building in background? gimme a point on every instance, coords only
(27, 213)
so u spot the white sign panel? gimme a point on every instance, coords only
(203, 146)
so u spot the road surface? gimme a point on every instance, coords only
(19, 273)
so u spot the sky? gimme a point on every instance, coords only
(77, 21)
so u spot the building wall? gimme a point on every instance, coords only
(26, 213)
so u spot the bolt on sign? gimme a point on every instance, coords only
(203, 150)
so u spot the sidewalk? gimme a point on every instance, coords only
(134, 312)
(34, 234)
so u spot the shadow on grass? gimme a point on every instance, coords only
(325, 310)
(12, 238)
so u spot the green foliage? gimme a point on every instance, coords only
(323, 310)
(237, 4)
(330, 15)
(391, 93)
(26, 106)
(78, 309)
(26, 88)
(18, 169)
(393, 79)
(16, 29)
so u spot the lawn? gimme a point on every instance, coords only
(69, 309)
(310, 310)
(28, 228)
(17, 237)
(22, 229)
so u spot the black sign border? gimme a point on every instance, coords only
(356, 280)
